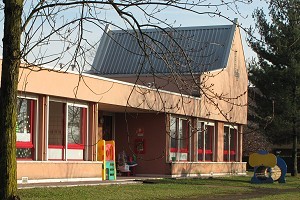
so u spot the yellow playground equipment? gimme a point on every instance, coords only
(106, 154)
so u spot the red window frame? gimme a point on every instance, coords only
(29, 145)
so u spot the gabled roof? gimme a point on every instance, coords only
(163, 51)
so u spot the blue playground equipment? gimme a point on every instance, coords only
(267, 168)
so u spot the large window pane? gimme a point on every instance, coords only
(183, 135)
(226, 143)
(24, 120)
(25, 128)
(179, 138)
(230, 143)
(205, 143)
(209, 133)
(56, 124)
(66, 121)
(173, 133)
(233, 144)
(200, 130)
(24, 153)
(76, 123)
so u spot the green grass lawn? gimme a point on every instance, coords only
(213, 188)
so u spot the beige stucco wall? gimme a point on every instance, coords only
(58, 170)
(105, 92)
(226, 90)
(208, 168)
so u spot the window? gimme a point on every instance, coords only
(67, 131)
(200, 137)
(205, 140)
(76, 127)
(25, 128)
(180, 139)
(230, 143)
(56, 131)
(173, 134)
(209, 134)
(183, 136)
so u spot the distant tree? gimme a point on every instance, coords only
(254, 138)
(254, 141)
(276, 74)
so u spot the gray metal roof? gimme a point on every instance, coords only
(164, 51)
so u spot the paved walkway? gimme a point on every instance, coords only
(120, 180)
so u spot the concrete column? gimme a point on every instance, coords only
(41, 130)
(194, 140)
(92, 131)
(167, 137)
(240, 143)
(219, 142)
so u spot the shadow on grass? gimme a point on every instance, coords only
(198, 181)
(232, 180)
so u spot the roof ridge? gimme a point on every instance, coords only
(188, 28)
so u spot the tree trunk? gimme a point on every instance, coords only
(8, 98)
(294, 152)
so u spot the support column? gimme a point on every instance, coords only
(194, 140)
(219, 142)
(42, 118)
(167, 152)
(240, 143)
(93, 131)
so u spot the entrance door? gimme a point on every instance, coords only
(107, 128)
